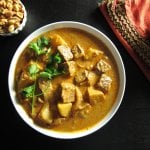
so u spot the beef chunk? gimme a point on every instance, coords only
(65, 51)
(81, 76)
(103, 66)
(105, 82)
(47, 89)
(92, 78)
(77, 51)
(68, 92)
(70, 66)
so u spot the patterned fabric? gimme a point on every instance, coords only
(129, 21)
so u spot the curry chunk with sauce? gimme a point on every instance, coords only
(65, 80)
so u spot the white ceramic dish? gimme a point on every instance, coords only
(22, 25)
(115, 54)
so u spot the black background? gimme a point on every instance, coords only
(129, 129)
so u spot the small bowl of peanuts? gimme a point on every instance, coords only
(13, 17)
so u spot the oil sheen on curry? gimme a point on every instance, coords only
(66, 80)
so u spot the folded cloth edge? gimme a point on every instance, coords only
(129, 49)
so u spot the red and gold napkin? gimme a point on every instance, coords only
(130, 21)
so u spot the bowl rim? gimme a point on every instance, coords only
(114, 52)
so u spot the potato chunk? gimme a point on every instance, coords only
(57, 40)
(85, 111)
(68, 92)
(92, 53)
(45, 115)
(80, 104)
(64, 109)
(95, 95)
(65, 51)
(79, 99)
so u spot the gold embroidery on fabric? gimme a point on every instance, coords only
(117, 13)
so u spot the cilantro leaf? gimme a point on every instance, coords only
(44, 41)
(33, 69)
(57, 58)
(53, 67)
(45, 75)
(28, 91)
(34, 46)
(40, 46)
(50, 73)
(39, 42)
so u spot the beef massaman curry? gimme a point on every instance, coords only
(66, 80)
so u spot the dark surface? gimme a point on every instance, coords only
(129, 129)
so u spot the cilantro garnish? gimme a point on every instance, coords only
(40, 46)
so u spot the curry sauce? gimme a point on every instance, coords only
(66, 80)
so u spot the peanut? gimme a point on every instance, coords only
(3, 22)
(3, 3)
(16, 7)
(11, 21)
(11, 15)
(11, 28)
(9, 6)
(8, 14)
(19, 14)
(17, 24)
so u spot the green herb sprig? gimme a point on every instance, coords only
(40, 46)
(53, 69)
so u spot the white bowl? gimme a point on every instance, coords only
(113, 50)
(21, 26)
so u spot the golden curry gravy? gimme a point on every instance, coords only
(73, 119)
